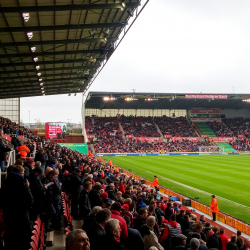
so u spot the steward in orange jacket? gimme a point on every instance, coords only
(110, 163)
(23, 150)
(214, 207)
(155, 183)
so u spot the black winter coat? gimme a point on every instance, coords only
(168, 213)
(109, 243)
(112, 195)
(15, 142)
(3, 150)
(16, 197)
(40, 157)
(134, 240)
(159, 214)
(56, 190)
(75, 184)
(138, 222)
(94, 197)
(213, 242)
(85, 206)
(231, 246)
(49, 208)
(95, 234)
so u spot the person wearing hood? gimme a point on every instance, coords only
(171, 230)
(148, 235)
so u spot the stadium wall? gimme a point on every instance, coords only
(75, 139)
(233, 113)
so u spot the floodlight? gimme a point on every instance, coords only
(129, 99)
(107, 98)
(151, 99)
(43, 91)
(33, 49)
(29, 35)
(40, 79)
(106, 31)
(41, 84)
(26, 17)
(35, 59)
(123, 4)
(105, 39)
(92, 32)
(43, 94)
(37, 67)
(39, 74)
(246, 100)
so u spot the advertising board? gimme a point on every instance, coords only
(55, 130)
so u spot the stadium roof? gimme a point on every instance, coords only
(165, 101)
(72, 39)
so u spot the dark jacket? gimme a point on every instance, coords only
(134, 240)
(138, 222)
(168, 213)
(159, 214)
(88, 222)
(213, 242)
(56, 190)
(85, 206)
(49, 208)
(66, 183)
(75, 184)
(109, 243)
(95, 233)
(38, 191)
(239, 242)
(145, 199)
(202, 234)
(94, 197)
(3, 150)
(16, 197)
(231, 246)
(40, 157)
(112, 195)
(15, 142)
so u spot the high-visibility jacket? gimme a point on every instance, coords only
(214, 206)
(117, 170)
(100, 159)
(110, 163)
(155, 182)
(23, 150)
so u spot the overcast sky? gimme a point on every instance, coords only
(174, 46)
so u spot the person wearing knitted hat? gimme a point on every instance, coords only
(29, 164)
(115, 214)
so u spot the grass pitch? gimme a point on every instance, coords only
(226, 176)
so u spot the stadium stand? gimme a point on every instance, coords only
(89, 187)
(238, 126)
(205, 129)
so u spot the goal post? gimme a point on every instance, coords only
(211, 149)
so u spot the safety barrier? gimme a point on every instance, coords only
(223, 217)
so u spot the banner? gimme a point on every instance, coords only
(168, 136)
(221, 139)
(205, 111)
(204, 136)
(55, 130)
(240, 136)
(148, 138)
(205, 119)
(91, 136)
(186, 138)
(206, 96)
(80, 147)
(129, 136)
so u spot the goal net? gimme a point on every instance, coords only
(210, 149)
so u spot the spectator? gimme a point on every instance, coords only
(180, 242)
(112, 237)
(168, 211)
(40, 156)
(232, 244)
(115, 214)
(246, 245)
(106, 203)
(212, 239)
(148, 235)
(202, 219)
(94, 195)
(23, 150)
(239, 240)
(159, 213)
(111, 192)
(16, 143)
(140, 218)
(77, 239)
(96, 230)
(17, 201)
(90, 219)
(3, 150)
(194, 244)
(84, 202)
(134, 240)
(224, 239)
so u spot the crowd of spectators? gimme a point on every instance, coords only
(241, 144)
(139, 126)
(191, 146)
(118, 212)
(238, 126)
(220, 129)
(176, 127)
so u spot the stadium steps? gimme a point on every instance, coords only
(121, 128)
(159, 131)
(205, 129)
(224, 145)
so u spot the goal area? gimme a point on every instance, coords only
(210, 149)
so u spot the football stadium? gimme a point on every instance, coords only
(143, 169)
